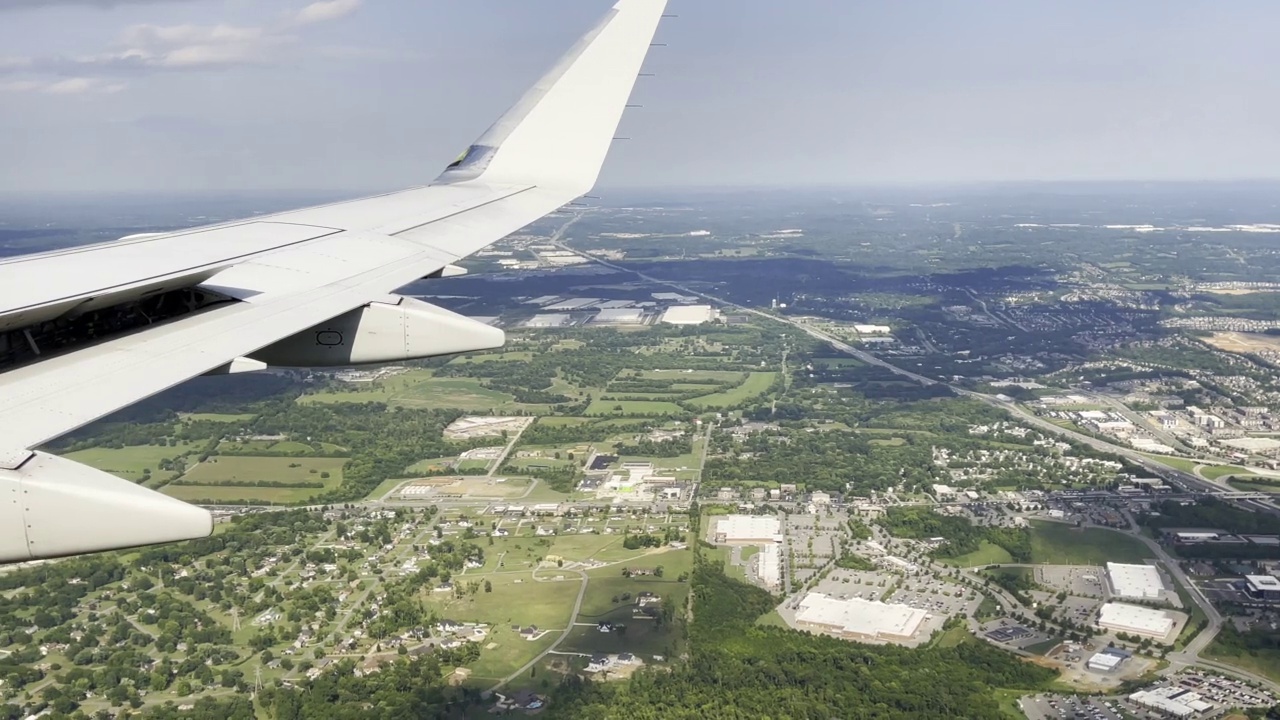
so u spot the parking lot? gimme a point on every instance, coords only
(936, 597)
(1068, 707)
(1080, 580)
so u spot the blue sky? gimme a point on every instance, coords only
(198, 95)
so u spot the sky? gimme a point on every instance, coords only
(109, 96)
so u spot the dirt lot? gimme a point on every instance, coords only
(1239, 342)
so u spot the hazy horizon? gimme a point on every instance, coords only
(355, 95)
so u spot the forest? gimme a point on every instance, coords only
(962, 537)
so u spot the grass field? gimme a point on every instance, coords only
(460, 393)
(1062, 544)
(1257, 484)
(1213, 472)
(1266, 664)
(423, 466)
(725, 376)
(1178, 463)
(380, 391)
(632, 407)
(207, 480)
(129, 462)
(218, 417)
(514, 356)
(755, 385)
(986, 554)
(516, 599)
(219, 470)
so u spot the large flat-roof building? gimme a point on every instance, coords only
(1263, 587)
(688, 315)
(1173, 701)
(1134, 619)
(769, 567)
(619, 316)
(748, 530)
(1141, 582)
(858, 619)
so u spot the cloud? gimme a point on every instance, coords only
(324, 11)
(105, 4)
(65, 86)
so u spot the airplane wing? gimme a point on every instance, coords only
(86, 331)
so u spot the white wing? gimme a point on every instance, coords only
(89, 330)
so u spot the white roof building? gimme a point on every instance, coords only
(872, 329)
(770, 565)
(1135, 619)
(858, 618)
(1104, 662)
(748, 530)
(1173, 700)
(1135, 581)
(688, 315)
(619, 316)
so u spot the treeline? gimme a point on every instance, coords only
(740, 670)
(962, 537)
(594, 431)
(645, 447)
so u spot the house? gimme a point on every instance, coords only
(599, 662)
(529, 633)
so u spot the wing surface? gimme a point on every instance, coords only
(280, 275)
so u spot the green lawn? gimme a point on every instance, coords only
(1264, 663)
(1213, 472)
(1178, 463)
(208, 480)
(1256, 484)
(1062, 544)
(516, 599)
(219, 417)
(633, 407)
(423, 466)
(756, 384)
(725, 376)
(380, 391)
(459, 393)
(474, 465)
(986, 554)
(129, 462)
(517, 355)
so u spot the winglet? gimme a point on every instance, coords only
(557, 136)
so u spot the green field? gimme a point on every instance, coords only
(518, 355)
(1264, 663)
(1178, 463)
(425, 465)
(380, 391)
(1256, 484)
(209, 480)
(724, 376)
(1213, 472)
(222, 469)
(633, 407)
(129, 462)
(755, 385)
(1062, 544)
(516, 599)
(986, 554)
(219, 417)
(474, 465)
(460, 393)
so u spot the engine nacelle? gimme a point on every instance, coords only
(51, 507)
(391, 330)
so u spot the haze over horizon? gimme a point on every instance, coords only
(215, 95)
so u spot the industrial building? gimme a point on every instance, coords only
(748, 530)
(619, 316)
(1134, 619)
(688, 315)
(1107, 660)
(1174, 701)
(769, 568)
(1262, 587)
(858, 619)
(1141, 582)
(549, 320)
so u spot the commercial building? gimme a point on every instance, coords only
(1135, 581)
(1107, 660)
(1262, 587)
(1174, 701)
(769, 568)
(1134, 619)
(748, 530)
(688, 315)
(619, 316)
(549, 320)
(858, 619)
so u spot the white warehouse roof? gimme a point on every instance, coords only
(743, 528)
(688, 314)
(860, 617)
(1135, 581)
(1135, 619)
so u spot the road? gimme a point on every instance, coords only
(507, 450)
(1190, 654)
